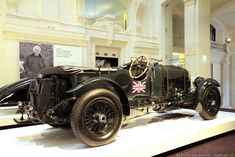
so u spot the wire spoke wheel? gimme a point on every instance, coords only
(96, 117)
(99, 117)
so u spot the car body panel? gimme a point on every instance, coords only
(14, 92)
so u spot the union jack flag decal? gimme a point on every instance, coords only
(138, 87)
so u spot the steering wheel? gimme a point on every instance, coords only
(139, 67)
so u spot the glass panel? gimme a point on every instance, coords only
(98, 8)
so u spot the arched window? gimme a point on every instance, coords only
(212, 33)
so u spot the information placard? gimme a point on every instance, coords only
(67, 55)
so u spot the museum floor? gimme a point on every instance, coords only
(221, 145)
(177, 133)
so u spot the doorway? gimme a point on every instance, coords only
(106, 62)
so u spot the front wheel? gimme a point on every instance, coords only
(210, 103)
(96, 117)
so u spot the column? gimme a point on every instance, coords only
(232, 82)
(2, 49)
(81, 12)
(226, 83)
(226, 70)
(132, 9)
(197, 38)
(217, 55)
(166, 34)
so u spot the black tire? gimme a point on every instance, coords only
(96, 117)
(210, 103)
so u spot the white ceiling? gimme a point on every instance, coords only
(224, 11)
(216, 4)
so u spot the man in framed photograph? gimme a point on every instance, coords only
(34, 62)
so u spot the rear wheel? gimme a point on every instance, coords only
(96, 117)
(210, 103)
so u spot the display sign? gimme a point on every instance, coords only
(36, 56)
(67, 55)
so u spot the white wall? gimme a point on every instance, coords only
(12, 60)
(58, 22)
(37, 21)
(232, 82)
(68, 11)
(59, 10)
(50, 9)
(28, 8)
(9, 62)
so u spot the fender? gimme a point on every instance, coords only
(204, 84)
(102, 82)
(18, 86)
(201, 89)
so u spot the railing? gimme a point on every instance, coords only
(217, 45)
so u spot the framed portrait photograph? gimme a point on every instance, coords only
(34, 57)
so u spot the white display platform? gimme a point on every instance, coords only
(7, 114)
(147, 135)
